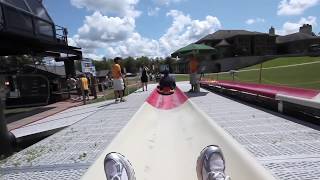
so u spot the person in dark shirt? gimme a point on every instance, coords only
(167, 82)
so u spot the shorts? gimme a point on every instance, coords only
(194, 79)
(118, 84)
(144, 79)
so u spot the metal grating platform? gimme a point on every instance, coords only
(289, 150)
(69, 153)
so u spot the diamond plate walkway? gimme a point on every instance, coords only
(69, 153)
(289, 150)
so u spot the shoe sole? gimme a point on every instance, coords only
(200, 160)
(124, 161)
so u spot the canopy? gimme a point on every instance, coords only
(195, 49)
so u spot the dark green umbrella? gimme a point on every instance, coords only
(193, 49)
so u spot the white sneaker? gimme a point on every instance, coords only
(211, 164)
(117, 167)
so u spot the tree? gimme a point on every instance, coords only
(130, 64)
(169, 61)
(102, 65)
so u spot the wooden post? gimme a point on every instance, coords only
(260, 74)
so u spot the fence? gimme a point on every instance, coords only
(305, 75)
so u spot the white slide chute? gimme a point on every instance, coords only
(165, 137)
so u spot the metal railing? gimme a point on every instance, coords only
(56, 33)
(302, 75)
(61, 34)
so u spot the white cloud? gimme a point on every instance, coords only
(119, 7)
(295, 7)
(256, 20)
(166, 2)
(293, 27)
(134, 46)
(106, 29)
(184, 30)
(153, 12)
(117, 36)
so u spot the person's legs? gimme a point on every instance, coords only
(146, 86)
(121, 96)
(142, 84)
(117, 167)
(116, 94)
(211, 164)
(86, 93)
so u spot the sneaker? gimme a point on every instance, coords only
(123, 100)
(117, 167)
(116, 100)
(211, 164)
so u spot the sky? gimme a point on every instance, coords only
(156, 28)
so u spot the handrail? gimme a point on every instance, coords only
(61, 34)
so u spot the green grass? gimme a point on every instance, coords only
(286, 61)
(110, 95)
(306, 76)
(182, 77)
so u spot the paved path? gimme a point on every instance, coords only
(68, 153)
(54, 109)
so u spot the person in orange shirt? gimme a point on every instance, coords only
(118, 83)
(85, 86)
(193, 69)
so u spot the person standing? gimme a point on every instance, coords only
(93, 84)
(118, 83)
(85, 86)
(193, 69)
(144, 78)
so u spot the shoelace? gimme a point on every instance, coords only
(217, 176)
(119, 172)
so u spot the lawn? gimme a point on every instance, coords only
(181, 77)
(305, 76)
(133, 84)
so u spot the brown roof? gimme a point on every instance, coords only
(225, 34)
(222, 43)
(295, 37)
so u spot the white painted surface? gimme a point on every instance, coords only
(314, 103)
(165, 144)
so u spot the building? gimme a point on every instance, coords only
(297, 43)
(233, 43)
(240, 48)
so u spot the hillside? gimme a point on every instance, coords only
(301, 72)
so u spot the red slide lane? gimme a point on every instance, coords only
(267, 90)
(167, 102)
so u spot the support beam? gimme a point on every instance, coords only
(6, 138)
(69, 68)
